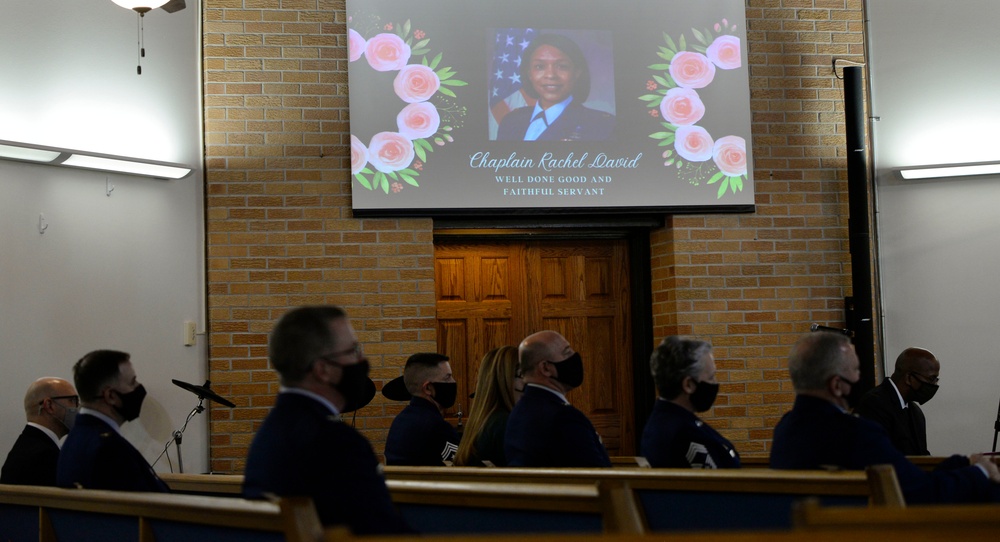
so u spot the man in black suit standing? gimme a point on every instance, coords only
(50, 406)
(544, 430)
(96, 455)
(303, 448)
(894, 404)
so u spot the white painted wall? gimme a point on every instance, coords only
(935, 75)
(124, 271)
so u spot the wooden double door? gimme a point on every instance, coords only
(495, 293)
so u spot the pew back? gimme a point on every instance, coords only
(686, 499)
(49, 514)
(436, 507)
(946, 520)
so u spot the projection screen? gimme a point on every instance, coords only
(548, 106)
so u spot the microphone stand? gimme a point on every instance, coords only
(996, 429)
(178, 435)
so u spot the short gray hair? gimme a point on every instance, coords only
(816, 357)
(674, 360)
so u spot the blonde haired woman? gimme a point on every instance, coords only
(497, 389)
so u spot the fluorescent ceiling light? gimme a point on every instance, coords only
(121, 165)
(950, 170)
(23, 153)
(40, 154)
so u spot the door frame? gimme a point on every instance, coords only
(635, 231)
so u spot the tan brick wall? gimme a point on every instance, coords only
(281, 232)
(752, 284)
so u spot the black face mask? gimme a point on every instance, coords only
(704, 395)
(853, 397)
(445, 393)
(570, 370)
(131, 403)
(353, 384)
(924, 393)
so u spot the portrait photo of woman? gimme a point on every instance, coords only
(555, 75)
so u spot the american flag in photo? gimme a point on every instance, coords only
(505, 73)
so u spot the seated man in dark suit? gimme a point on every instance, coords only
(95, 454)
(303, 448)
(818, 432)
(50, 406)
(419, 435)
(894, 403)
(555, 73)
(544, 430)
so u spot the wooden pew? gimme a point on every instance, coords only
(459, 507)
(669, 499)
(953, 521)
(629, 461)
(686, 499)
(221, 485)
(436, 507)
(845, 535)
(44, 514)
(758, 461)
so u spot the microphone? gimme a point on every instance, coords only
(817, 327)
(204, 392)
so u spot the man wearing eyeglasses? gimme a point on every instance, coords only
(303, 448)
(894, 404)
(819, 433)
(50, 406)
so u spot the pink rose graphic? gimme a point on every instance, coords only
(682, 106)
(693, 143)
(387, 52)
(390, 151)
(418, 120)
(355, 45)
(725, 52)
(730, 154)
(359, 155)
(416, 83)
(689, 70)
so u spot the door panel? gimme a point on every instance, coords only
(576, 287)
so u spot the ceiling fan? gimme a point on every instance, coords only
(173, 6)
(141, 7)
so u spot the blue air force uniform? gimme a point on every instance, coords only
(303, 449)
(576, 123)
(96, 456)
(816, 433)
(676, 438)
(420, 436)
(546, 431)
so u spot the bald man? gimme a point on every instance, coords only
(544, 430)
(894, 404)
(50, 406)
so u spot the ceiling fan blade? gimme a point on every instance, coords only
(174, 6)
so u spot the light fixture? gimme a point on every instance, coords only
(141, 7)
(54, 156)
(950, 170)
